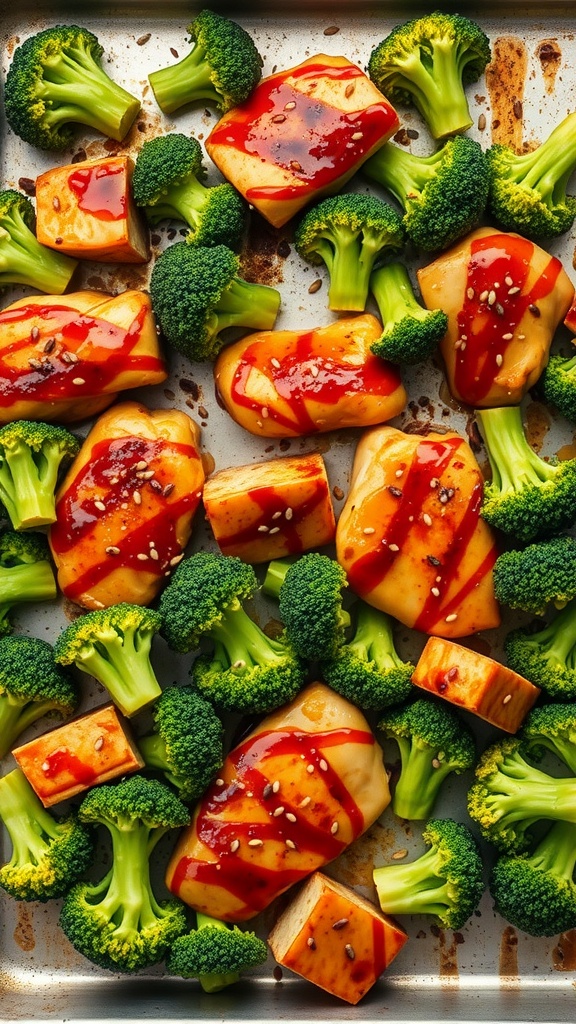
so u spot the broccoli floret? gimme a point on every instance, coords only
(443, 196)
(48, 854)
(553, 726)
(547, 655)
(528, 190)
(197, 293)
(187, 741)
(541, 574)
(31, 456)
(367, 669)
(167, 183)
(527, 496)
(310, 593)
(56, 80)
(558, 384)
(216, 953)
(23, 260)
(434, 742)
(222, 69)
(427, 62)
(26, 573)
(411, 332)
(349, 233)
(510, 796)
(536, 891)
(246, 671)
(31, 685)
(117, 922)
(446, 881)
(113, 645)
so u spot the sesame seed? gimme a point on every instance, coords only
(304, 803)
(35, 334)
(290, 844)
(314, 370)
(499, 359)
(275, 786)
(289, 513)
(451, 618)
(290, 817)
(349, 89)
(274, 529)
(276, 515)
(35, 364)
(112, 550)
(399, 854)
(264, 412)
(263, 529)
(340, 923)
(491, 297)
(507, 698)
(255, 842)
(278, 118)
(323, 765)
(100, 506)
(259, 423)
(310, 769)
(435, 762)
(349, 950)
(267, 791)
(142, 556)
(78, 380)
(176, 560)
(399, 472)
(239, 663)
(434, 482)
(219, 782)
(435, 591)
(427, 519)
(368, 530)
(534, 310)
(276, 363)
(168, 490)
(334, 828)
(484, 295)
(395, 492)
(137, 498)
(99, 743)
(508, 280)
(513, 291)
(499, 309)
(462, 346)
(290, 105)
(357, 136)
(46, 766)
(393, 547)
(508, 336)
(154, 554)
(470, 293)
(234, 845)
(145, 474)
(311, 943)
(278, 811)
(142, 464)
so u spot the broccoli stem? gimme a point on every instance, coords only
(512, 461)
(75, 88)
(27, 484)
(439, 93)
(212, 982)
(556, 852)
(350, 260)
(28, 823)
(419, 782)
(122, 665)
(127, 898)
(392, 289)
(245, 304)
(373, 639)
(239, 641)
(548, 168)
(185, 82)
(24, 261)
(182, 202)
(16, 716)
(29, 581)
(557, 641)
(275, 576)
(548, 797)
(413, 888)
(400, 172)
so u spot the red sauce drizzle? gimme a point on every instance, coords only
(62, 761)
(321, 149)
(500, 259)
(100, 190)
(271, 502)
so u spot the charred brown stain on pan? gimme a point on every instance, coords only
(564, 953)
(24, 930)
(508, 963)
(550, 56)
(448, 954)
(505, 79)
(538, 423)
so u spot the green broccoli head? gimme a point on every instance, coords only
(32, 686)
(216, 953)
(553, 727)
(349, 233)
(427, 62)
(546, 655)
(22, 259)
(541, 574)
(222, 69)
(310, 593)
(31, 457)
(410, 333)
(558, 384)
(26, 573)
(56, 80)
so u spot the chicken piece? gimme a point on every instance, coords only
(476, 683)
(86, 210)
(125, 508)
(84, 752)
(570, 318)
(301, 134)
(290, 383)
(271, 509)
(410, 535)
(294, 793)
(504, 297)
(66, 357)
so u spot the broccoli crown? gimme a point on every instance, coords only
(48, 855)
(350, 233)
(536, 891)
(443, 195)
(527, 496)
(310, 592)
(222, 69)
(558, 384)
(31, 456)
(528, 190)
(553, 726)
(446, 881)
(367, 669)
(31, 685)
(56, 80)
(510, 795)
(433, 742)
(410, 333)
(427, 62)
(187, 741)
(542, 573)
(197, 293)
(546, 655)
(26, 574)
(22, 259)
(216, 953)
(113, 645)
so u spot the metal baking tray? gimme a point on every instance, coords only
(488, 971)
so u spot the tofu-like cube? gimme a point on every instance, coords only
(335, 938)
(309, 381)
(301, 134)
(475, 682)
(504, 297)
(86, 210)
(271, 509)
(88, 750)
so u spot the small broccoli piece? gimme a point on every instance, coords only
(411, 332)
(510, 795)
(247, 671)
(197, 293)
(527, 496)
(56, 80)
(528, 190)
(443, 196)
(26, 574)
(350, 233)
(558, 384)
(536, 891)
(31, 456)
(113, 645)
(427, 62)
(216, 953)
(310, 592)
(367, 669)
(48, 854)
(446, 881)
(23, 260)
(167, 183)
(434, 743)
(552, 726)
(541, 574)
(32, 685)
(222, 69)
(117, 922)
(187, 741)
(546, 655)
